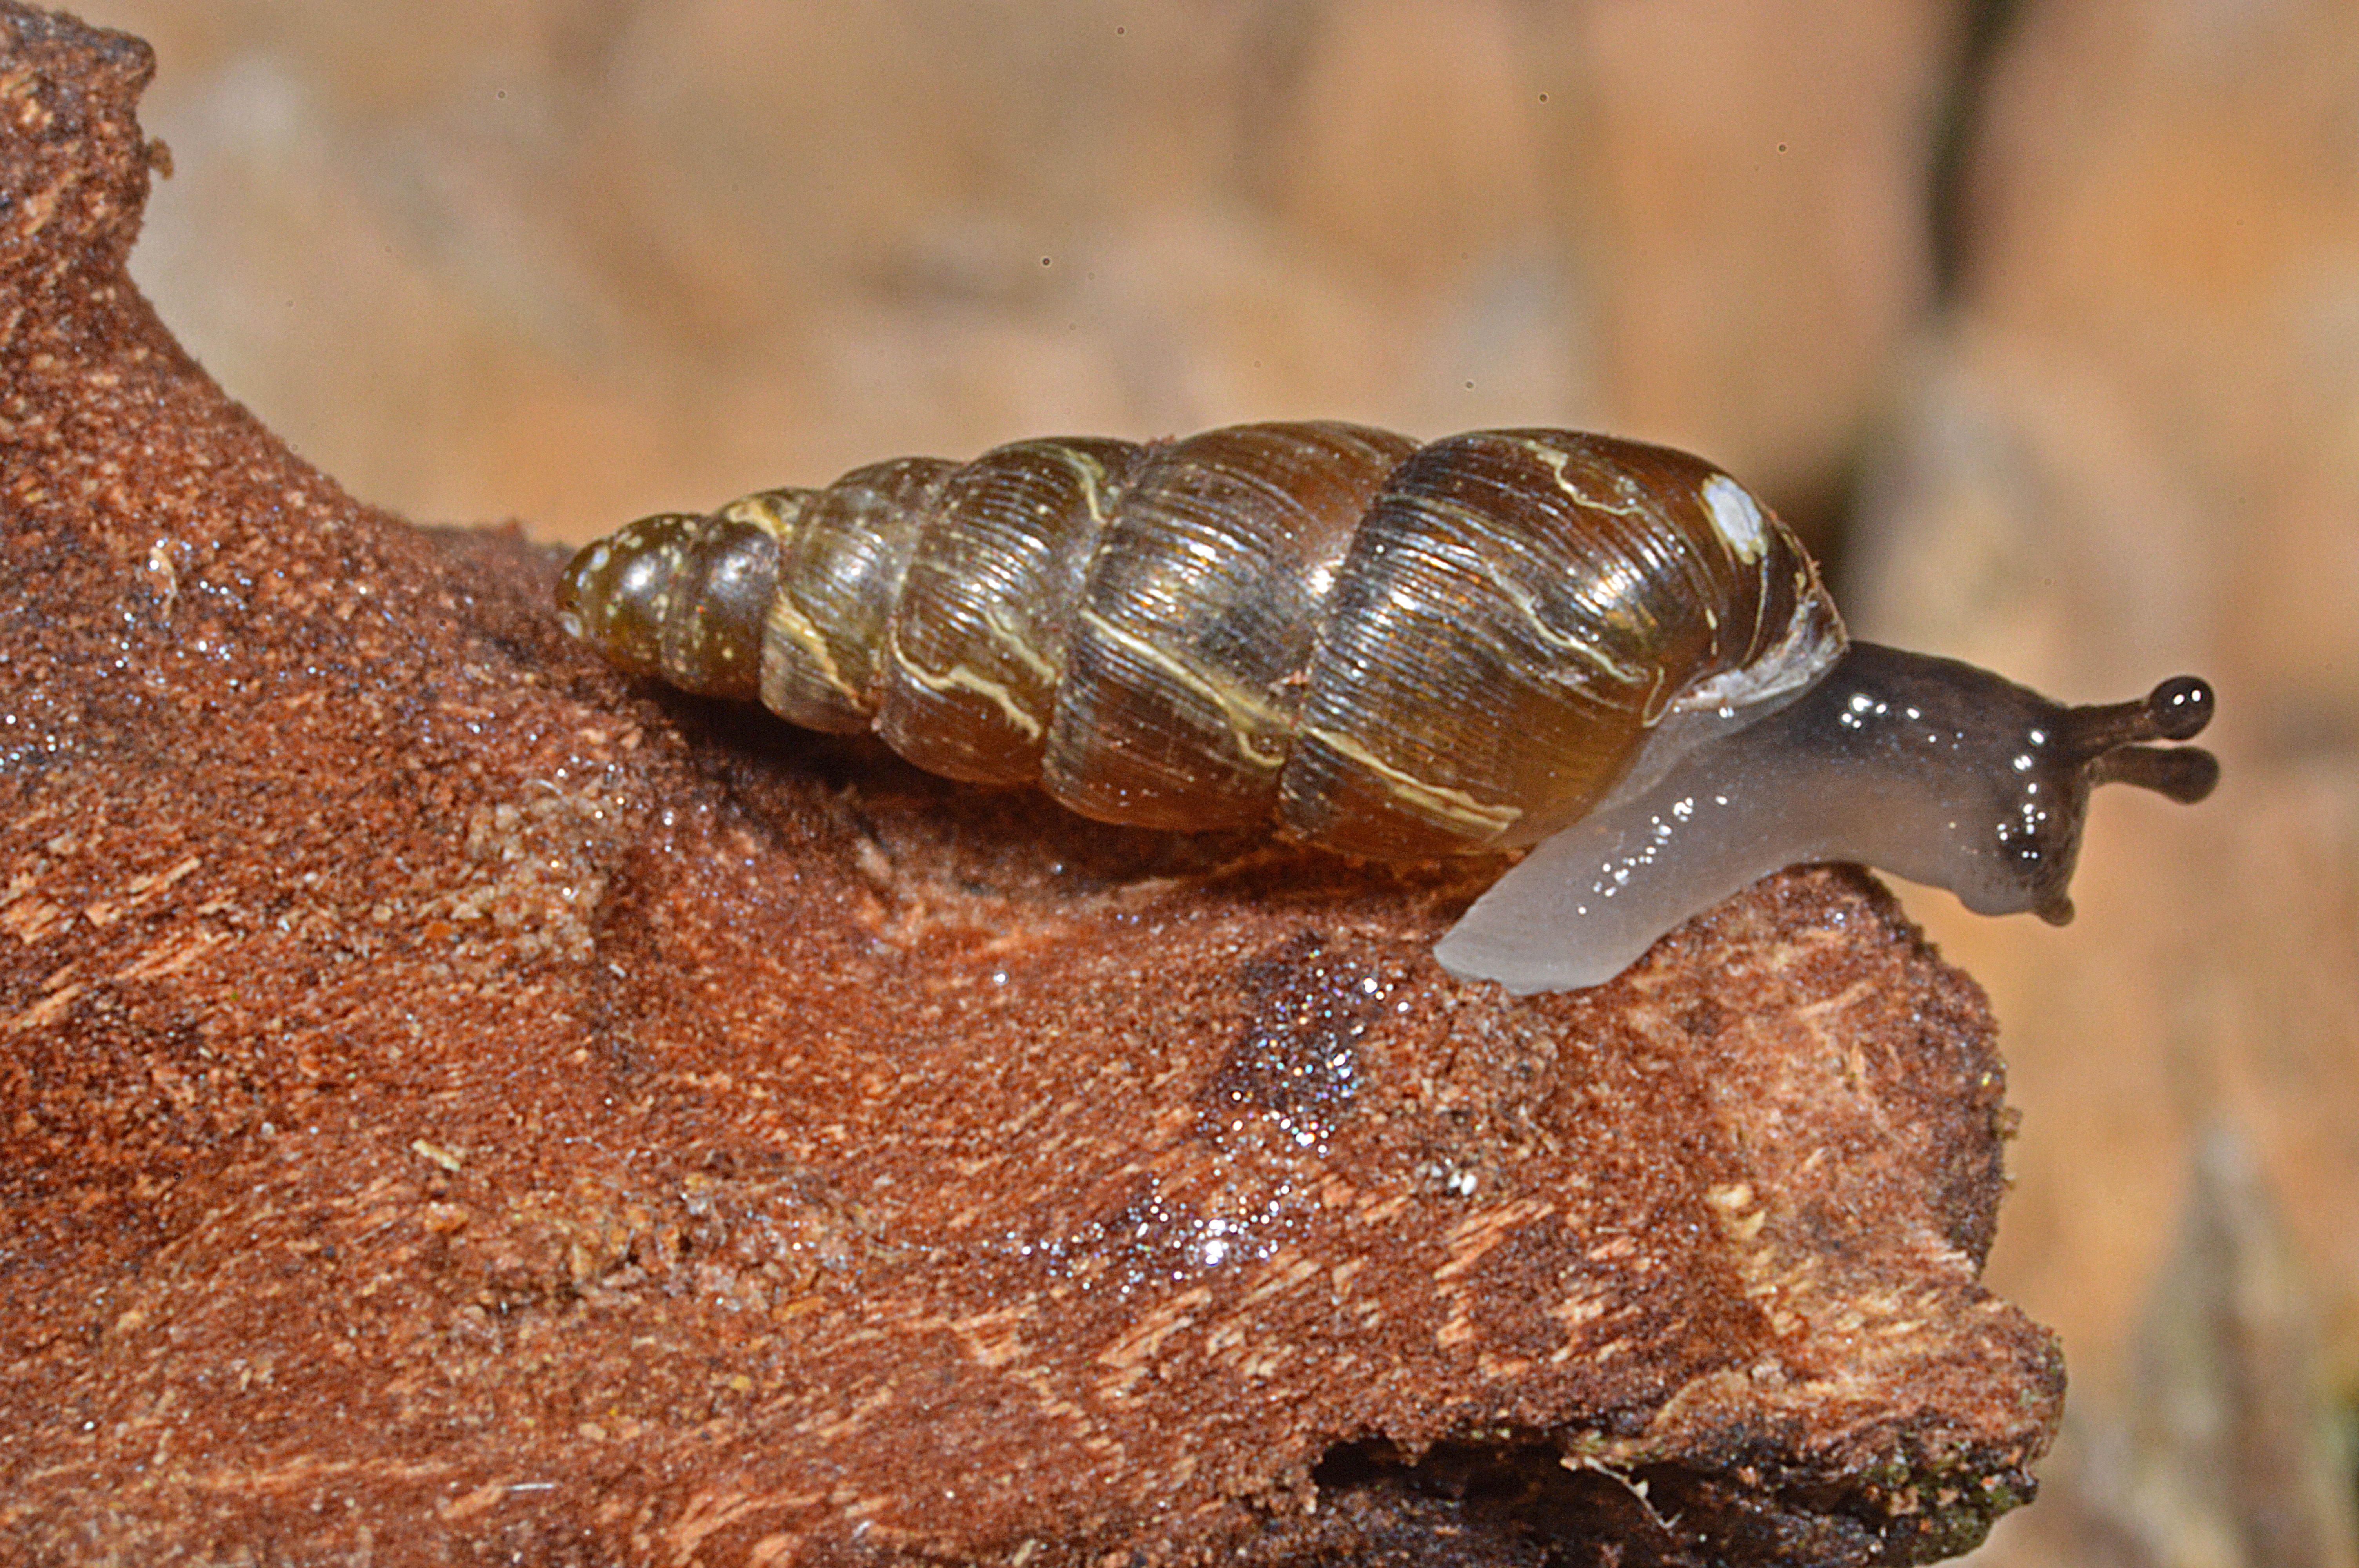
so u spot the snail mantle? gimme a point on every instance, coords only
(464, 1101)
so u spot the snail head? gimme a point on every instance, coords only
(2002, 775)
(2113, 743)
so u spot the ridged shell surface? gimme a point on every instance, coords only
(1392, 650)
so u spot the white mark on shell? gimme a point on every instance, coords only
(1735, 517)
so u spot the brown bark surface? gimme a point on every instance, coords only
(461, 1104)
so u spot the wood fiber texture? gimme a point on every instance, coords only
(462, 1105)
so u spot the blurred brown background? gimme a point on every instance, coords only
(2041, 319)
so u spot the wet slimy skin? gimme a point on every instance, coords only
(1930, 769)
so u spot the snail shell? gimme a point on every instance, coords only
(1497, 640)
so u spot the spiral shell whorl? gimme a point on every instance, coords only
(975, 649)
(1395, 651)
(1191, 649)
(1540, 600)
(679, 596)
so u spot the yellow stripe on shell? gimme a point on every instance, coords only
(1232, 700)
(791, 626)
(1434, 800)
(957, 678)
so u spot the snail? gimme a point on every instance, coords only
(1609, 653)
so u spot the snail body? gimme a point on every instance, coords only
(1503, 639)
